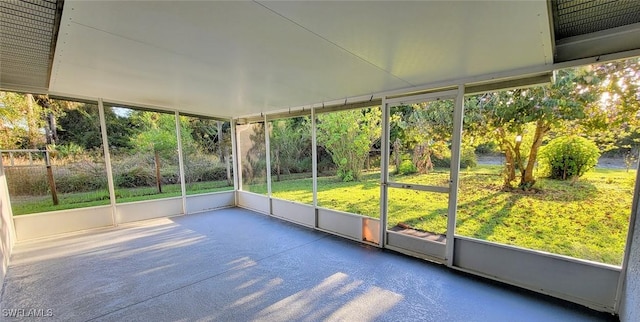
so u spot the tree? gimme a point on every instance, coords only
(348, 137)
(81, 125)
(253, 152)
(613, 119)
(158, 137)
(211, 137)
(520, 119)
(290, 144)
(423, 130)
(20, 121)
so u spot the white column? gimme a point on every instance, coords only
(237, 169)
(384, 171)
(107, 161)
(630, 235)
(456, 141)
(234, 155)
(314, 157)
(183, 187)
(267, 152)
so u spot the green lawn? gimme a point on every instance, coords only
(35, 204)
(586, 219)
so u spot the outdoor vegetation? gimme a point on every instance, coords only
(143, 147)
(549, 167)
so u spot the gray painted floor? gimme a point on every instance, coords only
(236, 265)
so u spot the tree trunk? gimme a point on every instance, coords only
(519, 163)
(396, 152)
(156, 157)
(527, 176)
(510, 158)
(510, 168)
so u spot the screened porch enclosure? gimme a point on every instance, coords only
(387, 175)
(496, 139)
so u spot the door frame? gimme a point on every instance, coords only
(426, 248)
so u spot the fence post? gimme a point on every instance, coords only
(51, 180)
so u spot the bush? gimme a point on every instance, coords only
(566, 157)
(488, 148)
(80, 182)
(202, 174)
(468, 159)
(27, 181)
(135, 177)
(407, 167)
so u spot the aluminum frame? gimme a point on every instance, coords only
(457, 95)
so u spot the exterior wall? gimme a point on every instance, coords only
(6, 227)
(630, 306)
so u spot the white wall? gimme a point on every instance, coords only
(630, 306)
(6, 227)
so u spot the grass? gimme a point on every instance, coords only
(586, 219)
(34, 204)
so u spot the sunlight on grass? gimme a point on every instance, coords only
(587, 219)
(421, 210)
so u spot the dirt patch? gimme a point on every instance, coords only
(408, 230)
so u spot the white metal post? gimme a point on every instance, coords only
(384, 171)
(630, 235)
(107, 161)
(314, 158)
(12, 224)
(237, 174)
(183, 187)
(267, 154)
(456, 142)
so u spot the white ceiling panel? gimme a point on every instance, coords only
(427, 41)
(240, 58)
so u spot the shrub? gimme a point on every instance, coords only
(566, 157)
(468, 159)
(27, 181)
(407, 167)
(80, 182)
(135, 177)
(488, 148)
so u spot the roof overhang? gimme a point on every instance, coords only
(241, 58)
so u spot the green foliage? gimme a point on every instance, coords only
(81, 182)
(21, 122)
(490, 147)
(468, 159)
(69, 150)
(348, 137)
(210, 136)
(569, 156)
(290, 142)
(135, 177)
(407, 167)
(158, 135)
(612, 120)
(422, 131)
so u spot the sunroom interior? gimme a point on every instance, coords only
(262, 71)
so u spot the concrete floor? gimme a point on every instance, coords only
(236, 265)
